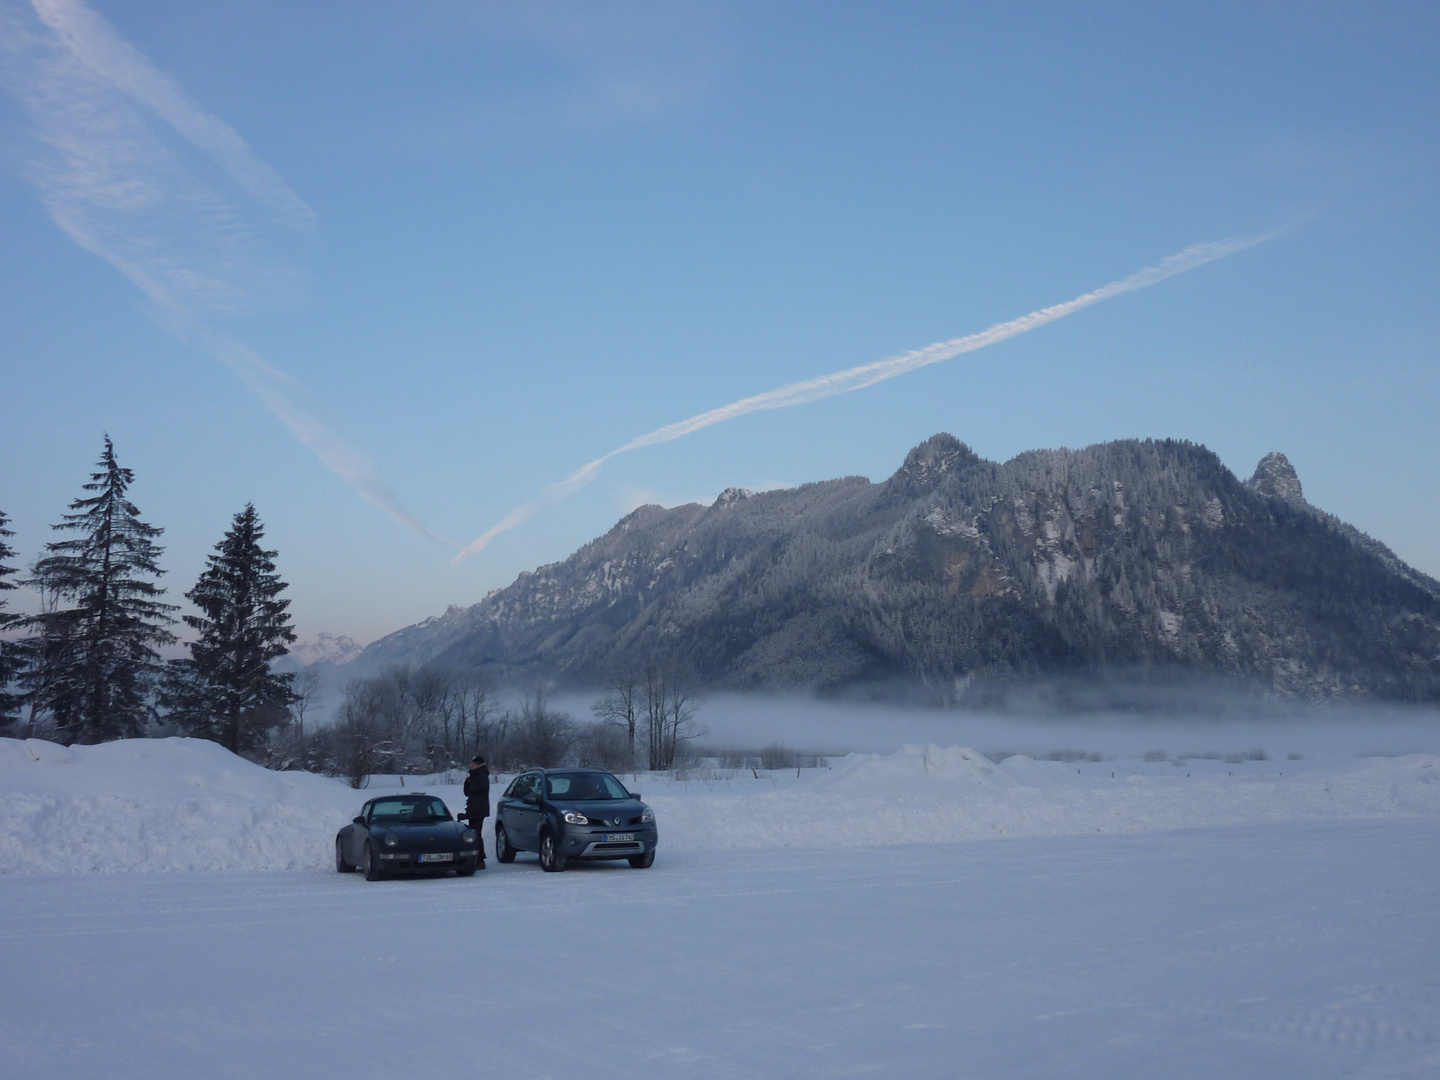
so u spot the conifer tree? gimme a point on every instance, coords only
(94, 664)
(226, 691)
(9, 649)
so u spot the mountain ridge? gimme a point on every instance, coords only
(956, 570)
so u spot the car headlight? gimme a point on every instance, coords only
(390, 840)
(573, 818)
(469, 836)
(647, 816)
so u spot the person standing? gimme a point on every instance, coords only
(477, 800)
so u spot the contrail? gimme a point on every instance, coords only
(857, 378)
(275, 389)
(111, 185)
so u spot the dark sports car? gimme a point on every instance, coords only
(406, 834)
(566, 815)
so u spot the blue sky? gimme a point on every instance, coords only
(394, 270)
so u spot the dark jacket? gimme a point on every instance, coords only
(477, 794)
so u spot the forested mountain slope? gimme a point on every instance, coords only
(954, 569)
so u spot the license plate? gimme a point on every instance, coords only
(439, 856)
(615, 837)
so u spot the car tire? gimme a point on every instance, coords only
(643, 862)
(503, 851)
(341, 866)
(551, 861)
(370, 864)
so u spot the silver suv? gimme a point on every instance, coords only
(565, 815)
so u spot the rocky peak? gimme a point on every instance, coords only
(732, 495)
(1276, 477)
(934, 459)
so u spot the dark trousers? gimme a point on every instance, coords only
(478, 824)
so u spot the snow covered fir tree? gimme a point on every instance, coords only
(91, 668)
(226, 690)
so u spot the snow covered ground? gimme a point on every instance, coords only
(1251, 918)
(1274, 951)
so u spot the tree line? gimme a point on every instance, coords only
(86, 667)
(428, 719)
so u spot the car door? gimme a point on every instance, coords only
(508, 809)
(525, 812)
(355, 838)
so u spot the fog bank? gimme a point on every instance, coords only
(815, 726)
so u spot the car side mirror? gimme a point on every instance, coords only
(358, 820)
(532, 800)
(635, 794)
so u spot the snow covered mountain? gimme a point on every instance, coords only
(957, 571)
(322, 648)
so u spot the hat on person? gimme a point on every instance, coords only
(477, 760)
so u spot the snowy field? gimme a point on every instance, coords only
(1182, 917)
(1256, 951)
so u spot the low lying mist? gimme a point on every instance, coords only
(1240, 729)
(1167, 718)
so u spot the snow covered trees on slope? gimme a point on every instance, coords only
(226, 691)
(958, 576)
(92, 666)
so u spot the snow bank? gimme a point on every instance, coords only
(160, 804)
(188, 805)
(934, 795)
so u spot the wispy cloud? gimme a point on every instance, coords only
(113, 176)
(96, 45)
(857, 378)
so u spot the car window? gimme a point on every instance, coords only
(586, 786)
(525, 784)
(405, 808)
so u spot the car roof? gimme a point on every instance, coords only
(398, 795)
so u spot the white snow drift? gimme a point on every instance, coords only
(188, 805)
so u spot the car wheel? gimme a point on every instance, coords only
(643, 862)
(341, 866)
(503, 851)
(551, 861)
(370, 865)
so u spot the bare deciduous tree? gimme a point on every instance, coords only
(306, 689)
(667, 706)
(545, 736)
(622, 708)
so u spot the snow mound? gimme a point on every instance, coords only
(160, 804)
(927, 766)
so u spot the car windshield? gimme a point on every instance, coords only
(406, 808)
(586, 786)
